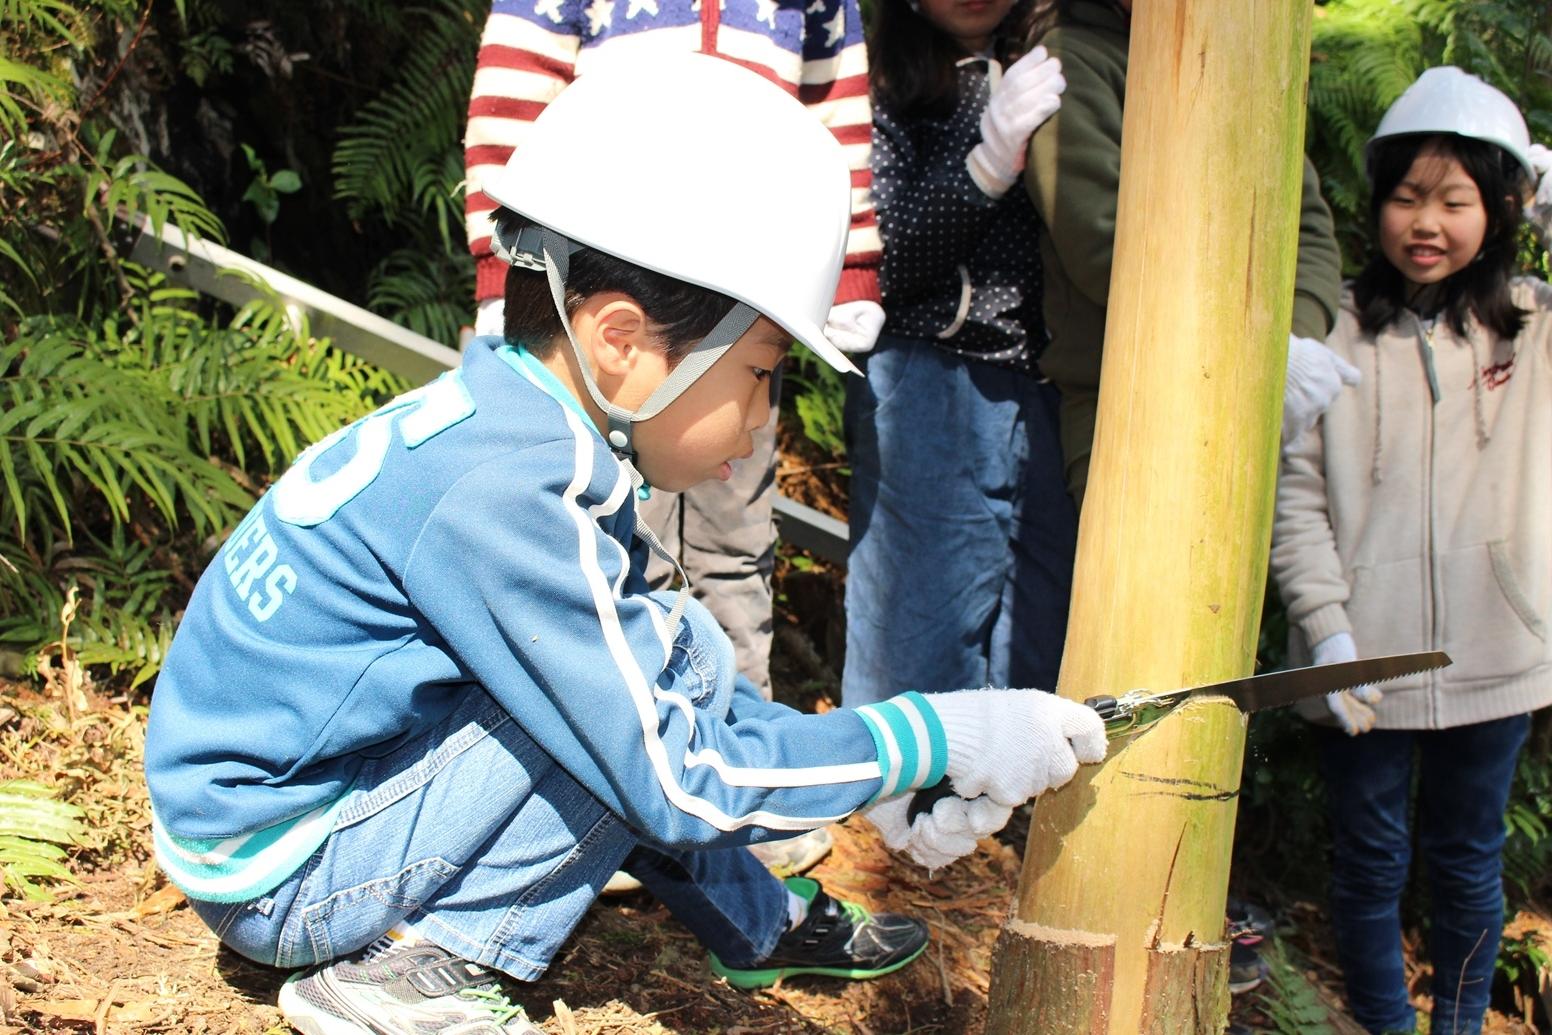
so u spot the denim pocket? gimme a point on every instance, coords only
(353, 917)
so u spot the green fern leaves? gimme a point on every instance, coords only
(33, 827)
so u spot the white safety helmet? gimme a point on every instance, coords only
(1447, 100)
(696, 168)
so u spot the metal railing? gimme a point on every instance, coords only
(208, 268)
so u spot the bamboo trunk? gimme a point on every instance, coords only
(1119, 923)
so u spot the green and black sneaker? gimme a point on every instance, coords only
(836, 939)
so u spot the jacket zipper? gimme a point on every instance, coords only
(1426, 342)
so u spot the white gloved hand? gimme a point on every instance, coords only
(854, 326)
(1539, 211)
(1028, 93)
(1353, 708)
(948, 833)
(1014, 744)
(1315, 378)
(490, 317)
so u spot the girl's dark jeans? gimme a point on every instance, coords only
(1463, 783)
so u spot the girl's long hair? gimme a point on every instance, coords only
(913, 67)
(1482, 288)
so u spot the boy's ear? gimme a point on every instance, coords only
(616, 329)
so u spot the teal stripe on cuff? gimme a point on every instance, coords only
(937, 740)
(871, 722)
(905, 739)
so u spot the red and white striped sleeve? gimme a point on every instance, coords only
(527, 55)
(835, 87)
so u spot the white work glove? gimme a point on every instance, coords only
(1315, 378)
(490, 317)
(948, 833)
(1353, 708)
(1539, 211)
(1028, 93)
(854, 326)
(1011, 745)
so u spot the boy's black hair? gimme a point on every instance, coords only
(680, 314)
(912, 66)
(1482, 288)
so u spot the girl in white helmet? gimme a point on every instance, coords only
(1414, 516)
(422, 705)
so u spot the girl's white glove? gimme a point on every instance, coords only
(947, 833)
(1353, 708)
(1315, 378)
(1011, 745)
(854, 326)
(1028, 93)
(1539, 211)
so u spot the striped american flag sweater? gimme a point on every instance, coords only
(531, 49)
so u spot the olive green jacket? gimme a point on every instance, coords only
(1073, 175)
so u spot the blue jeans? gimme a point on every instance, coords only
(1464, 776)
(473, 833)
(962, 532)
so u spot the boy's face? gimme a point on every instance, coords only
(711, 426)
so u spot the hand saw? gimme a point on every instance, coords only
(1137, 710)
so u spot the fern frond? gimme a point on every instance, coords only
(72, 415)
(425, 292)
(23, 86)
(32, 826)
(400, 139)
(133, 185)
(56, 18)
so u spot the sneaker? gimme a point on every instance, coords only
(398, 989)
(1248, 924)
(836, 939)
(620, 883)
(795, 855)
(1246, 968)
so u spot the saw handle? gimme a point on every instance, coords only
(1107, 707)
(924, 799)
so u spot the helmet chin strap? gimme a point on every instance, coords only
(539, 248)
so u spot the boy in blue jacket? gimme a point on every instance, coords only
(422, 705)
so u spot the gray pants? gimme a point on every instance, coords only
(724, 535)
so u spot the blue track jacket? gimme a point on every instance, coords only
(476, 531)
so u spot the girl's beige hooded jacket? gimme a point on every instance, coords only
(1418, 514)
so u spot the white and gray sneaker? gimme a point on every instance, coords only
(398, 989)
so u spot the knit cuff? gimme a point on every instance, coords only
(490, 278)
(912, 748)
(859, 283)
(992, 183)
(1325, 621)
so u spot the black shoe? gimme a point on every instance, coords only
(836, 939)
(1246, 968)
(1248, 924)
